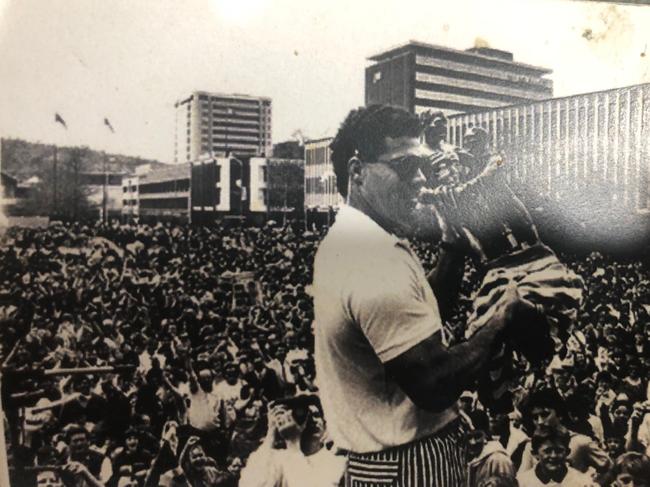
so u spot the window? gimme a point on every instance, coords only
(263, 173)
(376, 77)
(262, 195)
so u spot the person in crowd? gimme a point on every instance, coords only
(49, 478)
(195, 468)
(69, 300)
(488, 459)
(551, 448)
(132, 461)
(294, 449)
(545, 408)
(631, 469)
(89, 468)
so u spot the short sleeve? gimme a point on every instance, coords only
(392, 303)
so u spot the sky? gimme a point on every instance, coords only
(130, 60)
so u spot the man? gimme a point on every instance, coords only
(89, 468)
(505, 242)
(488, 458)
(388, 381)
(545, 408)
(551, 447)
(195, 468)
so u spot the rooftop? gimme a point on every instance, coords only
(473, 55)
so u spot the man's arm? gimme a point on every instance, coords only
(445, 279)
(433, 376)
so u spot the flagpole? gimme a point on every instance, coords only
(55, 197)
(104, 215)
(54, 183)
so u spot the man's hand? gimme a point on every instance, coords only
(506, 307)
(282, 421)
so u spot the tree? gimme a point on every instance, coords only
(286, 179)
(60, 192)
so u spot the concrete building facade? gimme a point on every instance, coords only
(421, 77)
(571, 145)
(322, 198)
(221, 124)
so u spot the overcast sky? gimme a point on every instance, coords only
(129, 60)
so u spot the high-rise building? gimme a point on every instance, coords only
(421, 77)
(220, 125)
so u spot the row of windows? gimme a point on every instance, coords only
(165, 186)
(165, 203)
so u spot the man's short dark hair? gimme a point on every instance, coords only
(363, 133)
(75, 429)
(555, 434)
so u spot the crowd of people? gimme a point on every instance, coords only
(204, 327)
(210, 334)
(146, 355)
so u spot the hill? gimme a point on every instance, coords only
(23, 160)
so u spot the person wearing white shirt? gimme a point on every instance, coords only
(551, 448)
(388, 379)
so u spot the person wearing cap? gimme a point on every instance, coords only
(388, 380)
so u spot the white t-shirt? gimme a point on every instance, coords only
(228, 395)
(372, 303)
(288, 468)
(203, 413)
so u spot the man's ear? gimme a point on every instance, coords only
(355, 171)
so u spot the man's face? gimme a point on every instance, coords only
(544, 417)
(391, 184)
(499, 422)
(48, 478)
(474, 144)
(205, 379)
(437, 131)
(615, 446)
(78, 443)
(197, 457)
(475, 442)
(561, 378)
(552, 456)
(621, 415)
(132, 443)
(231, 374)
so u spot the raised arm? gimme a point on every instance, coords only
(433, 375)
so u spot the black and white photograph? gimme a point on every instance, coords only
(280, 243)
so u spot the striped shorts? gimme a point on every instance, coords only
(438, 460)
